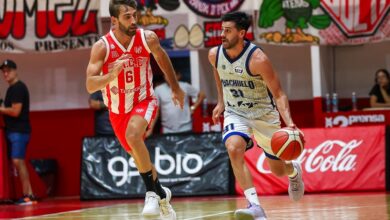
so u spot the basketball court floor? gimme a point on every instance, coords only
(367, 206)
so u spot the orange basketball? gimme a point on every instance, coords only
(287, 143)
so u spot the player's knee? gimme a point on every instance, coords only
(16, 162)
(133, 136)
(235, 152)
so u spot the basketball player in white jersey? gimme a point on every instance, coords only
(120, 66)
(246, 83)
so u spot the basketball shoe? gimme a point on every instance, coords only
(252, 212)
(296, 187)
(166, 210)
(151, 204)
(27, 200)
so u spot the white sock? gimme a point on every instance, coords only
(293, 174)
(251, 196)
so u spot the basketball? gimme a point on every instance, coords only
(287, 143)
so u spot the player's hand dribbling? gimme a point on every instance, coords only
(118, 65)
(178, 97)
(294, 126)
(218, 110)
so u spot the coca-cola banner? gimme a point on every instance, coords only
(334, 159)
(46, 26)
(189, 164)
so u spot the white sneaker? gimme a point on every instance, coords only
(166, 210)
(151, 204)
(252, 212)
(296, 187)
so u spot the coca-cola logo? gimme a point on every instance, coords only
(330, 155)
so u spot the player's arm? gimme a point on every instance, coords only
(13, 111)
(95, 81)
(199, 99)
(220, 105)
(165, 65)
(261, 65)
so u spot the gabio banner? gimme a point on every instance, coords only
(334, 160)
(189, 164)
(326, 22)
(48, 26)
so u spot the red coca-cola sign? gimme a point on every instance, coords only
(337, 159)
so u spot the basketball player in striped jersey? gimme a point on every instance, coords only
(119, 65)
(246, 83)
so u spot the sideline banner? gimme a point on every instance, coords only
(325, 22)
(334, 160)
(189, 164)
(48, 26)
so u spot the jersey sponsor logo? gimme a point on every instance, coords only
(138, 49)
(114, 54)
(238, 70)
(114, 90)
(238, 83)
(139, 110)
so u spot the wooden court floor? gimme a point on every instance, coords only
(349, 206)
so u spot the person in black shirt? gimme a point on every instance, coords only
(17, 126)
(102, 121)
(380, 93)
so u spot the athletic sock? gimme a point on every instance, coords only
(251, 196)
(293, 174)
(159, 190)
(148, 180)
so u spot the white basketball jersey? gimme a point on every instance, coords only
(244, 94)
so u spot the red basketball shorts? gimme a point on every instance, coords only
(146, 109)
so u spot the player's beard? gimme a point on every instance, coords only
(129, 31)
(228, 44)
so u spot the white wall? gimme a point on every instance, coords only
(57, 80)
(355, 67)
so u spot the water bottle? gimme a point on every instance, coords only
(335, 103)
(354, 102)
(327, 102)
(205, 108)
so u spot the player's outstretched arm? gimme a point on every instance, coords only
(218, 110)
(261, 65)
(94, 80)
(165, 65)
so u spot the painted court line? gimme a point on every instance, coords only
(205, 216)
(72, 211)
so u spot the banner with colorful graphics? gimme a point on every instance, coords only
(48, 26)
(326, 22)
(334, 160)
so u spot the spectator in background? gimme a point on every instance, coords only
(102, 121)
(174, 120)
(17, 126)
(380, 93)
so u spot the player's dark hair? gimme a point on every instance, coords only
(241, 19)
(383, 71)
(116, 4)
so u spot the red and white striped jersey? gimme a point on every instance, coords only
(134, 82)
